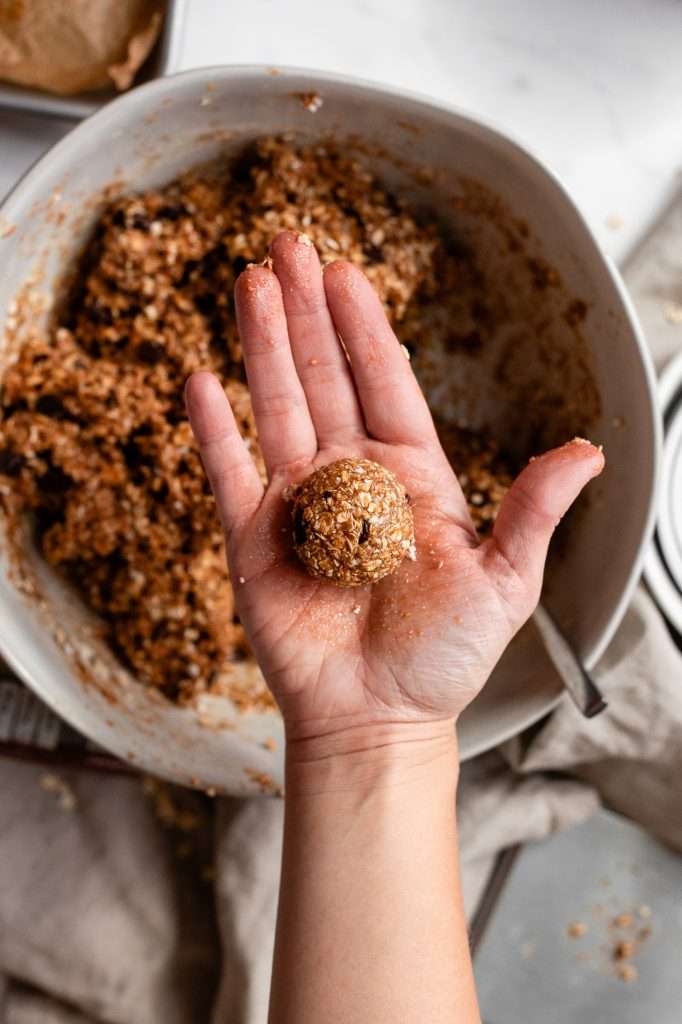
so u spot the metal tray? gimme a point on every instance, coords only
(162, 60)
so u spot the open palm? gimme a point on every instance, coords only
(418, 645)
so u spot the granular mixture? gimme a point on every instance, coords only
(94, 441)
(352, 522)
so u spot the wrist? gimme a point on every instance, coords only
(361, 758)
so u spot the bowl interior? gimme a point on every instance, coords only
(562, 339)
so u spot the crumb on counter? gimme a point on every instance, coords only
(627, 972)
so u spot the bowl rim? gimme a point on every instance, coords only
(160, 88)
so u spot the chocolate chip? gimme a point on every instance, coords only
(350, 211)
(300, 529)
(205, 303)
(150, 352)
(188, 272)
(51, 405)
(242, 166)
(140, 222)
(19, 405)
(100, 315)
(393, 204)
(373, 253)
(54, 481)
(10, 462)
(171, 212)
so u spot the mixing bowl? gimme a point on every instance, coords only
(481, 185)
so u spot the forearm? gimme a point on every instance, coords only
(371, 925)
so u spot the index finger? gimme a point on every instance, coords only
(393, 405)
(230, 469)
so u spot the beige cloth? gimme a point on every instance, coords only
(101, 920)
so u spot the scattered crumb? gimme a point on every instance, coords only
(618, 422)
(242, 580)
(304, 239)
(672, 311)
(265, 781)
(167, 807)
(627, 972)
(313, 362)
(310, 101)
(624, 950)
(406, 351)
(614, 222)
(66, 798)
(270, 743)
(644, 911)
(614, 957)
(356, 609)
(205, 101)
(210, 791)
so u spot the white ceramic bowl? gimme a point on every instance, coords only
(151, 134)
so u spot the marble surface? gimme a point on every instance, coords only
(594, 87)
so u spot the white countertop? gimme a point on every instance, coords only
(594, 87)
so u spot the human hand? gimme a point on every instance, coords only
(418, 645)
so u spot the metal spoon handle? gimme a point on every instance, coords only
(581, 686)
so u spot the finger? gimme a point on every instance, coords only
(535, 503)
(231, 471)
(285, 429)
(394, 407)
(320, 360)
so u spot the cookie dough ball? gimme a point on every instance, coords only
(352, 522)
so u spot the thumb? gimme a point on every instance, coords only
(537, 500)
